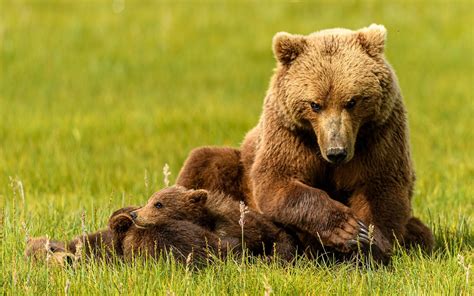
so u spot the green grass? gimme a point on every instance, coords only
(93, 103)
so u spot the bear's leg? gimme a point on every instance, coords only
(119, 223)
(213, 169)
(311, 210)
(418, 234)
(391, 221)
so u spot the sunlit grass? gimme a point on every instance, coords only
(94, 103)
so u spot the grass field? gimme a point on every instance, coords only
(96, 97)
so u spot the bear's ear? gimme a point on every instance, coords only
(198, 196)
(372, 39)
(287, 47)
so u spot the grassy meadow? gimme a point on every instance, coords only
(97, 96)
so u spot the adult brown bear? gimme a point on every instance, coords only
(331, 151)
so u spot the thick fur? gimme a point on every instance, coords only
(44, 249)
(219, 214)
(332, 90)
(187, 242)
(205, 169)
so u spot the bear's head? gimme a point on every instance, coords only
(333, 82)
(177, 203)
(44, 249)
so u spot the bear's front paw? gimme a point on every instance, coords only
(363, 237)
(349, 233)
(372, 243)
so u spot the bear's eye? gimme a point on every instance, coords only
(316, 107)
(350, 104)
(158, 205)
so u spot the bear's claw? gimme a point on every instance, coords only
(363, 228)
(362, 238)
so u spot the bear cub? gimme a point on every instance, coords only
(221, 215)
(178, 221)
(183, 239)
(188, 242)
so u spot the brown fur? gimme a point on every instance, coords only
(44, 249)
(206, 171)
(93, 245)
(123, 239)
(332, 91)
(187, 242)
(220, 214)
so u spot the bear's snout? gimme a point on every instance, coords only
(336, 155)
(133, 215)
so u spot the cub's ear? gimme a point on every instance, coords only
(372, 39)
(287, 47)
(198, 196)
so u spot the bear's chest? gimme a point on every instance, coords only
(340, 182)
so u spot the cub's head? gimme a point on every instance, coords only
(333, 82)
(43, 249)
(175, 202)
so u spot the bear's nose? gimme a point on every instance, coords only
(133, 215)
(336, 155)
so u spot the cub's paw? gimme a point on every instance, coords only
(121, 222)
(125, 210)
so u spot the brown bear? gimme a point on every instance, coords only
(99, 244)
(221, 215)
(94, 245)
(187, 242)
(330, 153)
(44, 249)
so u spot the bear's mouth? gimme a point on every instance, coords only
(140, 226)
